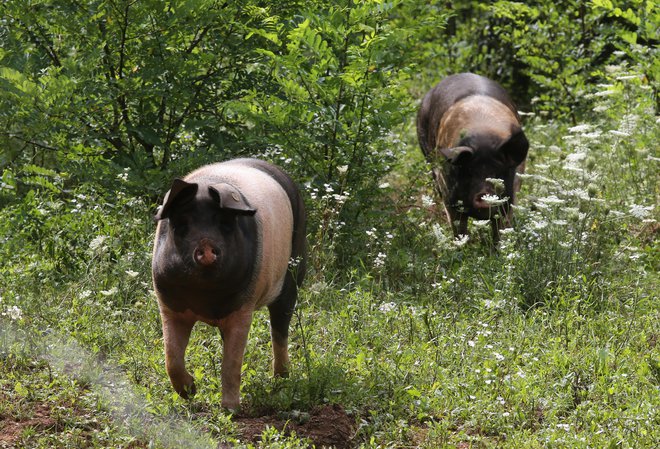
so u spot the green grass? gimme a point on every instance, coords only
(552, 341)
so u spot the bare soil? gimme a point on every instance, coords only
(11, 429)
(326, 426)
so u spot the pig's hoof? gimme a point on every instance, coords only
(188, 391)
(232, 408)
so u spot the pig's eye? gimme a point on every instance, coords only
(179, 225)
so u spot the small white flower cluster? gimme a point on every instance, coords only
(494, 200)
(382, 244)
(14, 313)
(379, 261)
(427, 201)
(96, 244)
(497, 183)
(124, 175)
(461, 240)
(294, 262)
(387, 307)
(328, 192)
(110, 292)
(640, 212)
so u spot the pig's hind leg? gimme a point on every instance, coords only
(281, 312)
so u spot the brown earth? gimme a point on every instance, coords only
(11, 429)
(327, 426)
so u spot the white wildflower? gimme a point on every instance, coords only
(124, 176)
(85, 294)
(439, 233)
(342, 169)
(506, 231)
(592, 135)
(471, 343)
(579, 128)
(497, 183)
(131, 273)
(384, 185)
(387, 307)
(110, 292)
(97, 242)
(552, 199)
(605, 93)
(575, 157)
(499, 357)
(481, 223)
(379, 261)
(341, 199)
(461, 240)
(640, 212)
(493, 200)
(14, 313)
(294, 261)
(427, 201)
(619, 133)
(539, 224)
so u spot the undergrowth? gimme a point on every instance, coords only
(549, 341)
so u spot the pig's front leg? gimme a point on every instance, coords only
(458, 221)
(176, 334)
(235, 329)
(501, 222)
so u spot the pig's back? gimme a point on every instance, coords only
(446, 94)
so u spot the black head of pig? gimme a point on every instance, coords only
(478, 159)
(209, 237)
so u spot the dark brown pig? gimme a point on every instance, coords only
(470, 133)
(230, 239)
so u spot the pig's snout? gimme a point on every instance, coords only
(206, 253)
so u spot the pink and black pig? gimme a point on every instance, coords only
(230, 239)
(470, 132)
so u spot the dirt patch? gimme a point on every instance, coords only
(12, 429)
(328, 426)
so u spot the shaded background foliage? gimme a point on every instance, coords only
(101, 97)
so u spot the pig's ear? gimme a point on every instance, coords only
(458, 155)
(180, 190)
(230, 199)
(515, 149)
